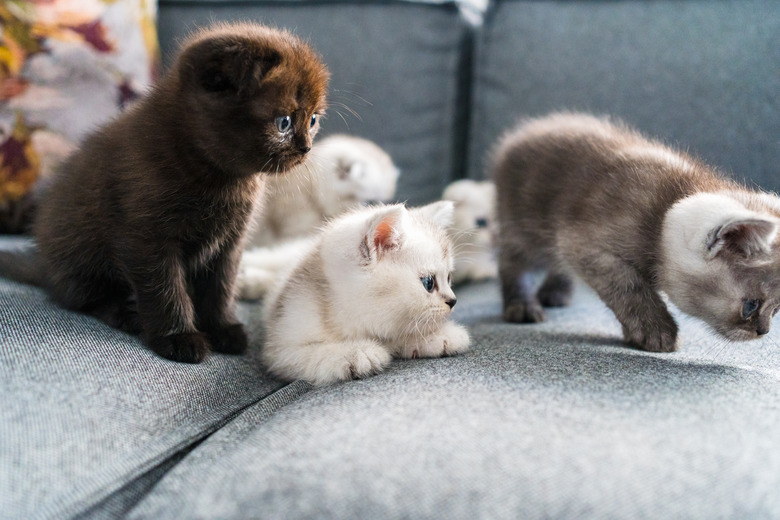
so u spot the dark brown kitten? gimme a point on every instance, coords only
(143, 226)
(580, 195)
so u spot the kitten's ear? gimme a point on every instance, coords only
(222, 65)
(441, 213)
(384, 232)
(351, 171)
(745, 238)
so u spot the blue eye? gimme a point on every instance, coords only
(428, 283)
(482, 222)
(283, 123)
(749, 307)
(313, 121)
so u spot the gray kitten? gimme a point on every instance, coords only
(581, 195)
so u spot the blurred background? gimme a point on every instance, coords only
(434, 83)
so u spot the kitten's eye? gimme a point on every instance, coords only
(749, 307)
(449, 279)
(283, 123)
(482, 222)
(313, 121)
(428, 283)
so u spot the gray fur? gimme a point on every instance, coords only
(578, 195)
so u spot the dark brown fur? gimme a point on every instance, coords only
(569, 199)
(143, 226)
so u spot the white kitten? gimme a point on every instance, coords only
(473, 229)
(375, 284)
(261, 267)
(342, 172)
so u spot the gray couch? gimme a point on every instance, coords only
(556, 420)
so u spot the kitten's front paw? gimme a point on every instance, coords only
(524, 312)
(366, 359)
(230, 339)
(653, 337)
(454, 339)
(188, 347)
(253, 284)
(450, 340)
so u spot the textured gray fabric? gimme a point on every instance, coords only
(702, 75)
(556, 420)
(395, 64)
(88, 412)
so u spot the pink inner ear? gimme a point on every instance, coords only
(383, 236)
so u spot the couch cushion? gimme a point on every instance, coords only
(88, 413)
(556, 420)
(394, 72)
(699, 74)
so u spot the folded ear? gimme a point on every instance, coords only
(746, 238)
(458, 191)
(227, 64)
(441, 213)
(385, 232)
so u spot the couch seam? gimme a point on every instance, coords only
(181, 450)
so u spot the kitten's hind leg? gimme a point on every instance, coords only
(647, 323)
(120, 313)
(108, 301)
(520, 302)
(556, 290)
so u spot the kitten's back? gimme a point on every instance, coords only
(590, 175)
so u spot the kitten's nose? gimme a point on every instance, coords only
(762, 330)
(451, 302)
(304, 148)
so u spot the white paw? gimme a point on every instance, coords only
(451, 339)
(366, 359)
(253, 284)
(346, 361)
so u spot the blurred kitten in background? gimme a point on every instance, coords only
(473, 229)
(342, 172)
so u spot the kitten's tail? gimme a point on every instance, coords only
(23, 265)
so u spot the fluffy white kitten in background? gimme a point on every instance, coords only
(473, 229)
(374, 284)
(342, 172)
(261, 267)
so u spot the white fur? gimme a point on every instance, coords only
(474, 252)
(261, 267)
(342, 172)
(355, 300)
(690, 254)
(688, 225)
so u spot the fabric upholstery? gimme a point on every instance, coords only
(554, 420)
(88, 410)
(698, 74)
(557, 420)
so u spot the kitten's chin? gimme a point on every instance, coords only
(284, 164)
(738, 334)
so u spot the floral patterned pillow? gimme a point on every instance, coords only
(66, 67)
